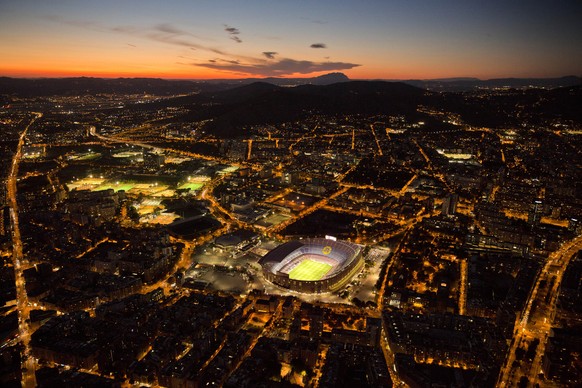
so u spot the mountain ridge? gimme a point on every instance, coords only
(468, 84)
(42, 87)
(263, 103)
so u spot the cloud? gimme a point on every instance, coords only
(176, 40)
(270, 54)
(265, 65)
(225, 61)
(166, 33)
(172, 35)
(233, 32)
(165, 27)
(163, 33)
(123, 29)
(175, 31)
(282, 67)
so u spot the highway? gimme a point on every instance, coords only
(28, 362)
(536, 321)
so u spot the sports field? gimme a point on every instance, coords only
(192, 186)
(228, 170)
(309, 270)
(116, 186)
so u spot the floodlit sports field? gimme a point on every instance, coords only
(86, 156)
(309, 270)
(116, 186)
(191, 186)
(135, 188)
(88, 183)
(228, 170)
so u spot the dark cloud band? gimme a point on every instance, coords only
(269, 54)
(279, 68)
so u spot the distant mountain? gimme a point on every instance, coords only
(241, 93)
(264, 103)
(511, 108)
(228, 109)
(39, 87)
(548, 83)
(467, 84)
(228, 112)
(456, 79)
(326, 79)
(562, 102)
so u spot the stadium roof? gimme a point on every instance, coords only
(281, 252)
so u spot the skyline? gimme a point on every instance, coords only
(224, 39)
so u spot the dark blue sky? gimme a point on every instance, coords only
(220, 39)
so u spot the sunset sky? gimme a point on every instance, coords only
(200, 39)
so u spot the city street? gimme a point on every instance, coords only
(536, 320)
(28, 362)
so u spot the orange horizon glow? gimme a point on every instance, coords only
(216, 40)
(109, 74)
(210, 74)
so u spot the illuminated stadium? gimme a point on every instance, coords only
(313, 264)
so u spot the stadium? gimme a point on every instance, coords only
(313, 265)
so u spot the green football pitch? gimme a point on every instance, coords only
(309, 270)
(191, 186)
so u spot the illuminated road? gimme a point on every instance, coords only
(536, 320)
(93, 132)
(265, 332)
(318, 205)
(405, 187)
(464, 269)
(341, 176)
(226, 218)
(249, 148)
(430, 166)
(28, 362)
(182, 263)
(377, 141)
(388, 353)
